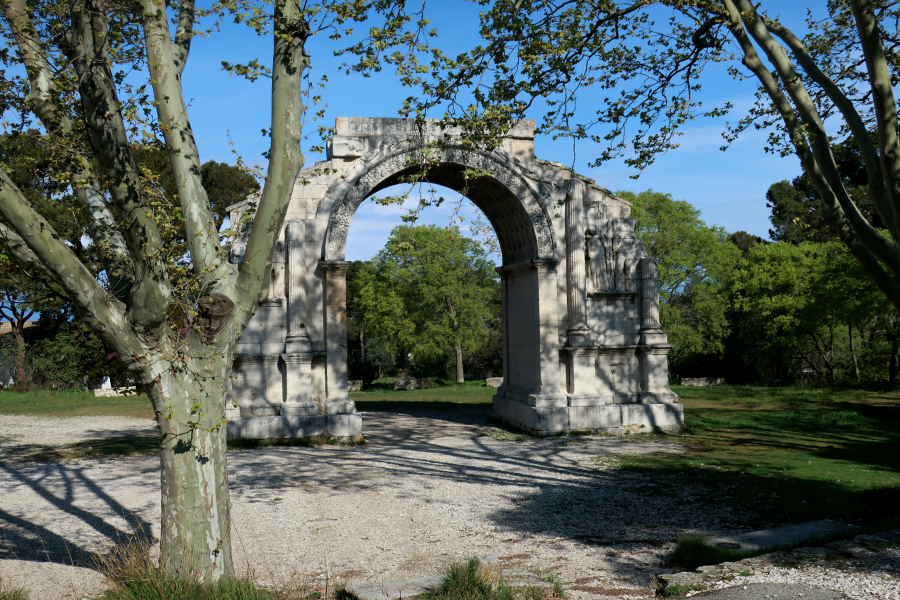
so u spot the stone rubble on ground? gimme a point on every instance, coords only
(865, 568)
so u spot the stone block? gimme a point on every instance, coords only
(414, 384)
(703, 381)
(249, 428)
(354, 385)
(538, 420)
(656, 397)
(339, 406)
(493, 382)
(345, 425)
(279, 428)
(654, 417)
(595, 417)
(260, 410)
(299, 409)
(308, 426)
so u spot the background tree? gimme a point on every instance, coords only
(553, 55)
(797, 213)
(696, 262)
(432, 293)
(73, 69)
(812, 312)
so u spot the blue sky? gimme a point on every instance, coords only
(728, 187)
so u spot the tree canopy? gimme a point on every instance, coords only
(100, 85)
(636, 65)
(432, 293)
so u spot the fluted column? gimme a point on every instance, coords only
(337, 397)
(651, 329)
(295, 276)
(578, 333)
(297, 348)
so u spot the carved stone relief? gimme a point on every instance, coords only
(517, 215)
(611, 251)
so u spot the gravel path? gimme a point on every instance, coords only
(428, 487)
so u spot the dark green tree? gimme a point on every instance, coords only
(433, 293)
(797, 213)
(696, 263)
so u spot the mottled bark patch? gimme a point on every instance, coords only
(214, 313)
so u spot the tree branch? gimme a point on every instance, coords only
(40, 76)
(285, 159)
(151, 293)
(830, 182)
(833, 211)
(35, 241)
(165, 73)
(877, 191)
(884, 101)
(184, 33)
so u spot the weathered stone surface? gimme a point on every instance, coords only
(583, 348)
(414, 384)
(354, 385)
(493, 382)
(702, 381)
(788, 536)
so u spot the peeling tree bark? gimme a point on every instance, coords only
(185, 377)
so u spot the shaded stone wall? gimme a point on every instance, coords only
(582, 344)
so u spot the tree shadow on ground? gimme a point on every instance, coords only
(66, 488)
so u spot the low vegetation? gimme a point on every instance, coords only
(786, 454)
(133, 574)
(73, 403)
(446, 394)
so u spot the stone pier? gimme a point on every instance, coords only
(583, 348)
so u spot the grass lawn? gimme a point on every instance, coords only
(788, 454)
(447, 395)
(51, 403)
(783, 454)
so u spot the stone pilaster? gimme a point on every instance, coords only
(651, 330)
(337, 396)
(297, 348)
(578, 334)
(504, 327)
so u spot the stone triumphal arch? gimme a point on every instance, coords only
(582, 345)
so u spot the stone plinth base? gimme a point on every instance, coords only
(607, 418)
(300, 426)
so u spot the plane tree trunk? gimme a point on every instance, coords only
(184, 376)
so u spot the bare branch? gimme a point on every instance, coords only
(825, 177)
(184, 33)
(40, 77)
(151, 292)
(883, 99)
(833, 211)
(877, 191)
(285, 159)
(165, 72)
(35, 241)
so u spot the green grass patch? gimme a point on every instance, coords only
(787, 454)
(124, 445)
(134, 575)
(466, 580)
(446, 395)
(73, 403)
(11, 593)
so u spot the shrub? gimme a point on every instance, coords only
(467, 580)
(134, 575)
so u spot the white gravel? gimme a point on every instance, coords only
(428, 487)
